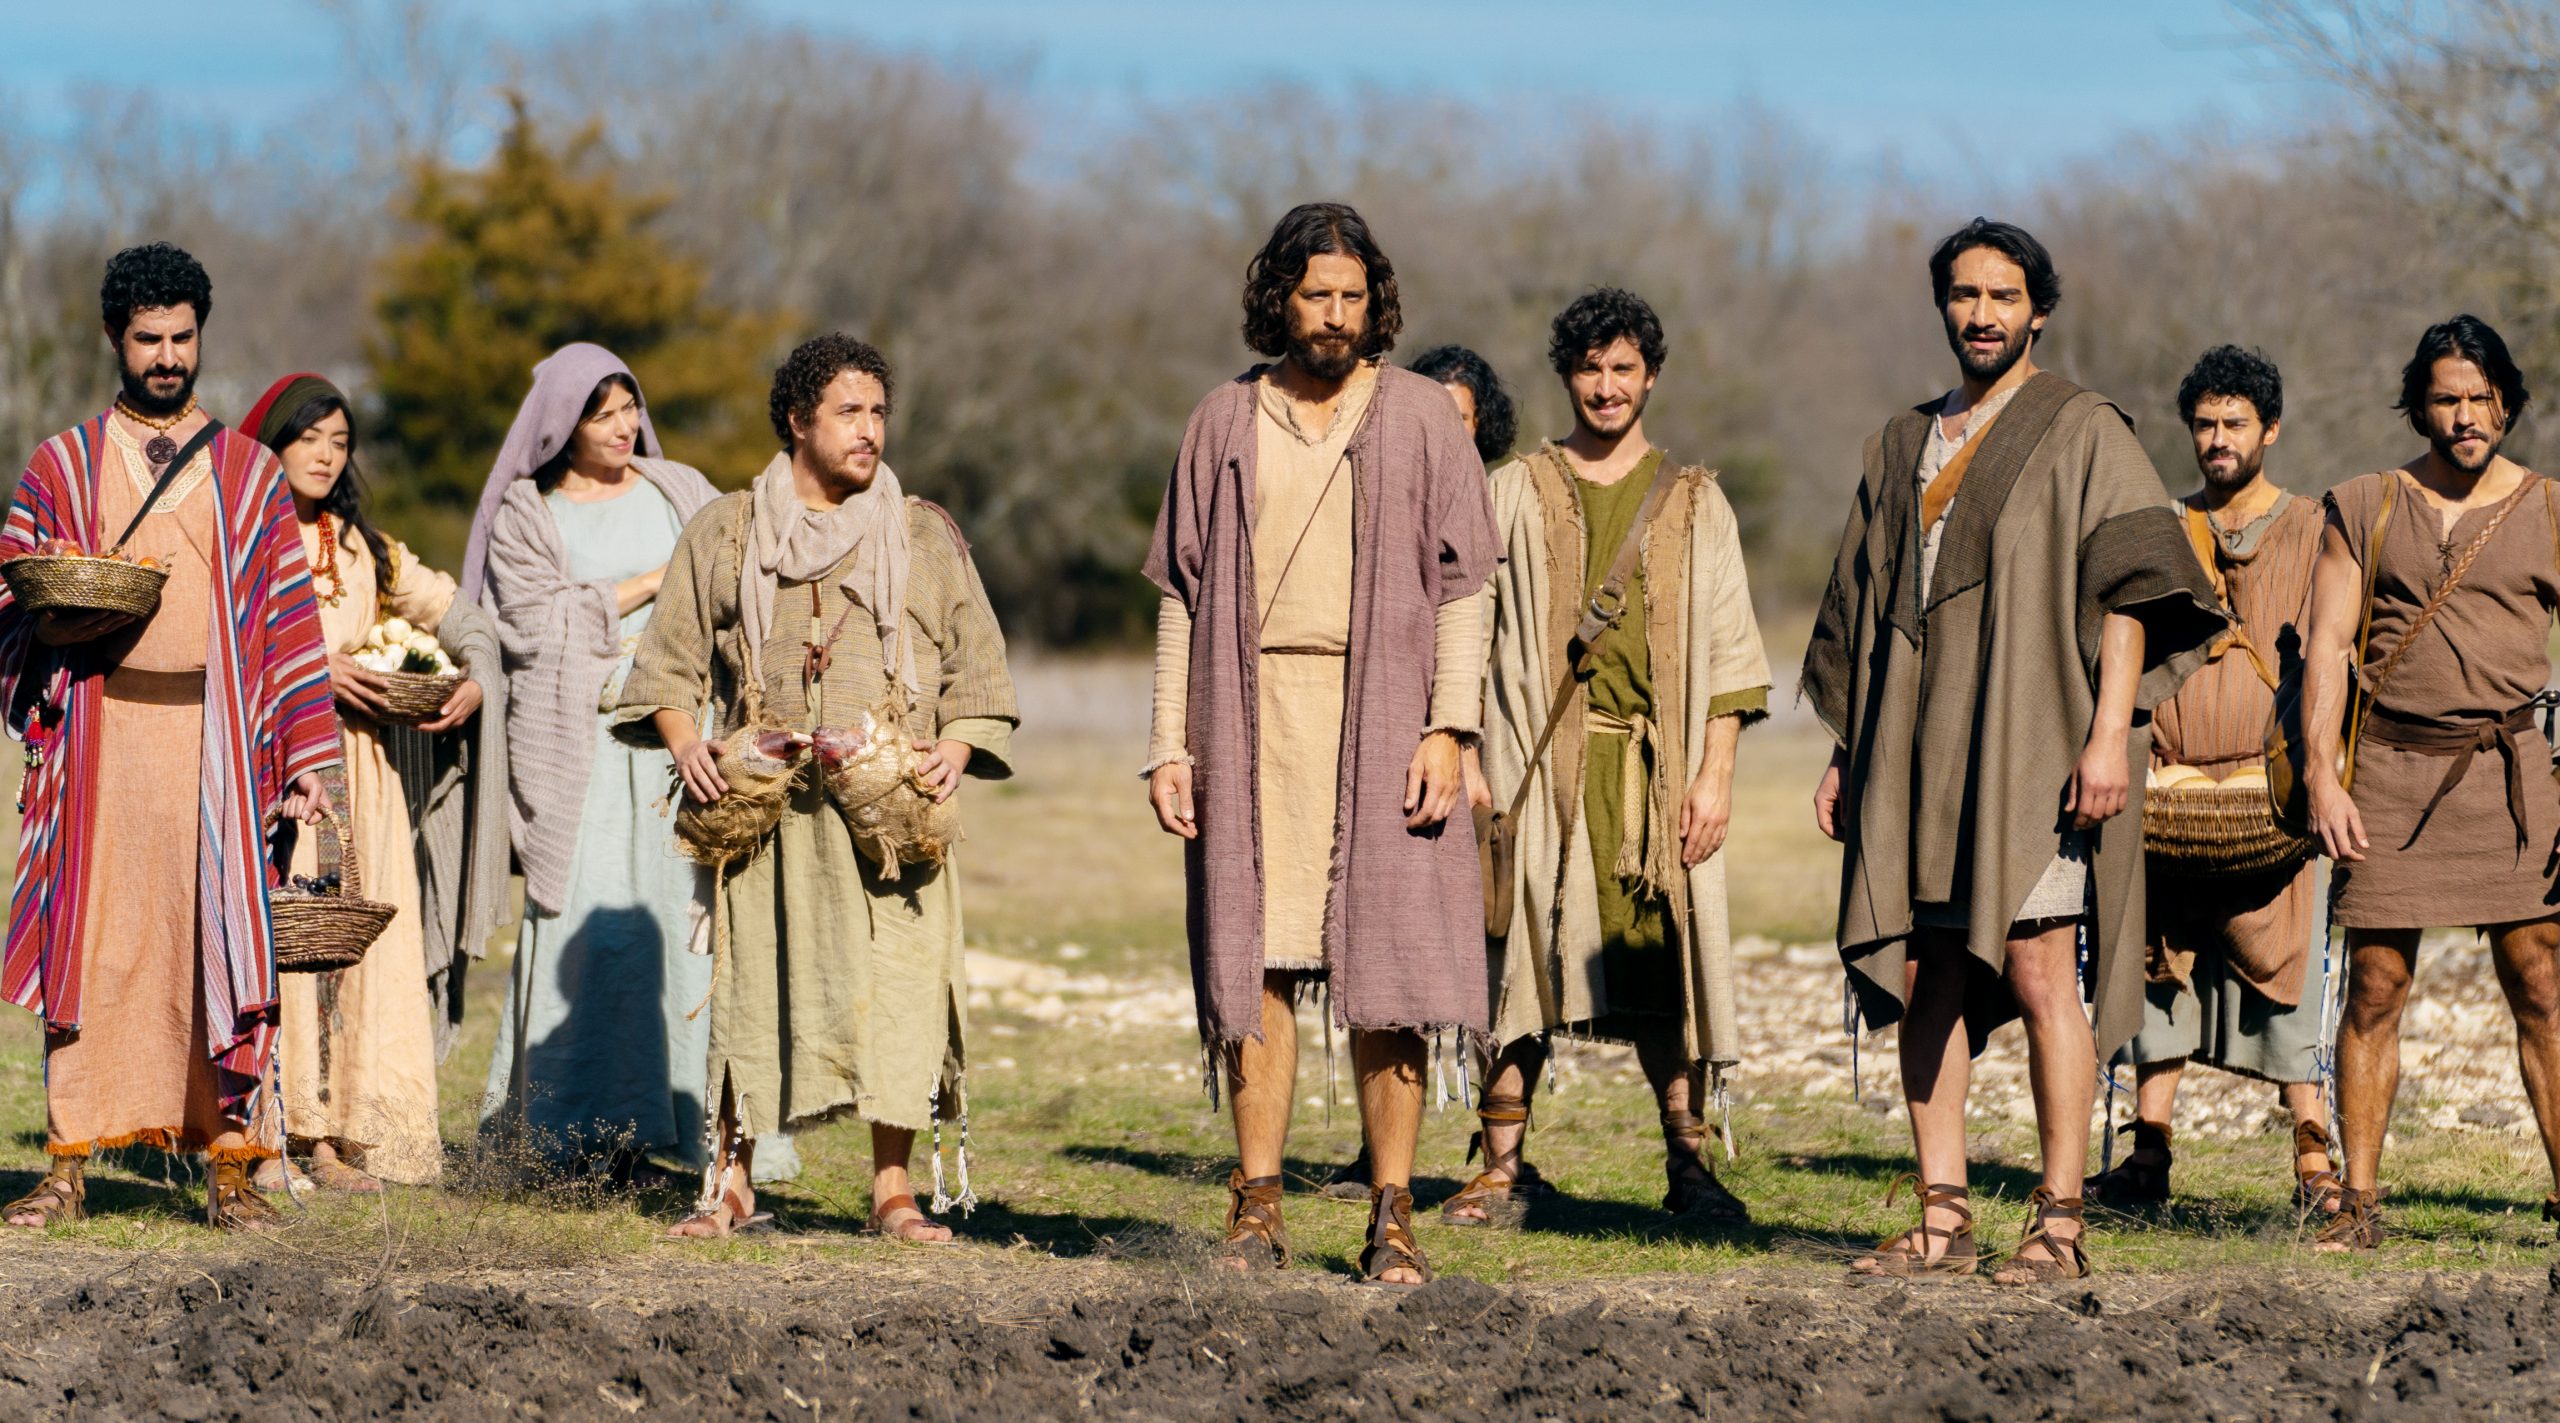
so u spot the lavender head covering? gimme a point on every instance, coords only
(562, 381)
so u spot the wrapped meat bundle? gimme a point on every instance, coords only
(759, 765)
(870, 773)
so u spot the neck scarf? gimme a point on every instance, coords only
(866, 535)
(562, 381)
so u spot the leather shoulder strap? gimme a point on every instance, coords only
(185, 456)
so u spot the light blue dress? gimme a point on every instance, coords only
(600, 991)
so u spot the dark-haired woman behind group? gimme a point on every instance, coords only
(359, 1046)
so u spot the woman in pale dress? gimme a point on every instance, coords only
(358, 1057)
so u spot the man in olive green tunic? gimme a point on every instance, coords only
(1620, 931)
(824, 598)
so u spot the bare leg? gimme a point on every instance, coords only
(2062, 1059)
(730, 1180)
(2155, 1092)
(890, 1149)
(1388, 1063)
(2303, 1101)
(2527, 971)
(1512, 1076)
(2379, 964)
(1262, 1079)
(1937, 1071)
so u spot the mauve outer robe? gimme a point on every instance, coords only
(1404, 925)
(1963, 722)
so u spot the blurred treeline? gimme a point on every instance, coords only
(699, 191)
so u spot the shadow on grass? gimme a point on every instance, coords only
(118, 1195)
(1211, 1170)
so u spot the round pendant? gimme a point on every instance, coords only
(160, 449)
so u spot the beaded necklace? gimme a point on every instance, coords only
(327, 568)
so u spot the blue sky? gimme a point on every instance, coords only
(1954, 91)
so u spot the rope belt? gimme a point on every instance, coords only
(1635, 815)
(2459, 742)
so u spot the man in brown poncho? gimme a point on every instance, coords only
(1317, 669)
(2438, 579)
(2012, 590)
(1620, 932)
(2229, 954)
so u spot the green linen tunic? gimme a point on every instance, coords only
(1639, 949)
(837, 993)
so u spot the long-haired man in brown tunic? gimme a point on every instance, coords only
(2228, 956)
(2012, 592)
(1318, 663)
(2438, 579)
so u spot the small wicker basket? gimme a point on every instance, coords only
(77, 583)
(2210, 831)
(318, 933)
(410, 698)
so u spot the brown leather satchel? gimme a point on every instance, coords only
(1498, 831)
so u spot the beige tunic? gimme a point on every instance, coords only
(366, 1077)
(2483, 656)
(136, 1071)
(836, 992)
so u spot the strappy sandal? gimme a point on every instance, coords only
(728, 1215)
(1503, 1196)
(1256, 1238)
(903, 1201)
(2061, 1259)
(1693, 1189)
(1391, 1244)
(1906, 1256)
(59, 1199)
(2356, 1228)
(2142, 1178)
(232, 1204)
(1350, 1181)
(2319, 1190)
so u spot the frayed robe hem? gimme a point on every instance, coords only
(173, 1140)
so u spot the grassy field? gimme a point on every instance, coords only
(1091, 1137)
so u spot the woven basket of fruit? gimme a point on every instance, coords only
(2195, 825)
(323, 922)
(59, 578)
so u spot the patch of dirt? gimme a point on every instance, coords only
(964, 1339)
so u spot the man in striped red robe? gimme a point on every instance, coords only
(159, 752)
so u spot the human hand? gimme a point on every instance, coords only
(939, 772)
(2100, 784)
(1169, 792)
(1434, 783)
(357, 686)
(2335, 821)
(308, 801)
(457, 708)
(1706, 813)
(1826, 799)
(68, 629)
(697, 765)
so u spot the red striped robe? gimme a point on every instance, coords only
(267, 720)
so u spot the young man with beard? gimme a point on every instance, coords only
(1620, 928)
(161, 750)
(823, 599)
(1318, 667)
(2227, 956)
(2439, 578)
(2011, 591)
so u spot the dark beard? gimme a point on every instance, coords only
(2444, 452)
(1635, 412)
(137, 394)
(1322, 359)
(2245, 471)
(2000, 361)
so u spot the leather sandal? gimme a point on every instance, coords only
(2356, 1228)
(2319, 1190)
(1350, 1180)
(904, 1201)
(729, 1213)
(1256, 1237)
(2142, 1178)
(1906, 1256)
(1501, 1195)
(60, 1198)
(2060, 1259)
(1693, 1190)
(1391, 1245)
(232, 1204)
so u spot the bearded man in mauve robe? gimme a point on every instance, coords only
(2012, 595)
(160, 749)
(2227, 981)
(1318, 661)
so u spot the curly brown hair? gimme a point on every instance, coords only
(805, 374)
(1310, 230)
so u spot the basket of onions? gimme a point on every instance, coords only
(59, 578)
(417, 677)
